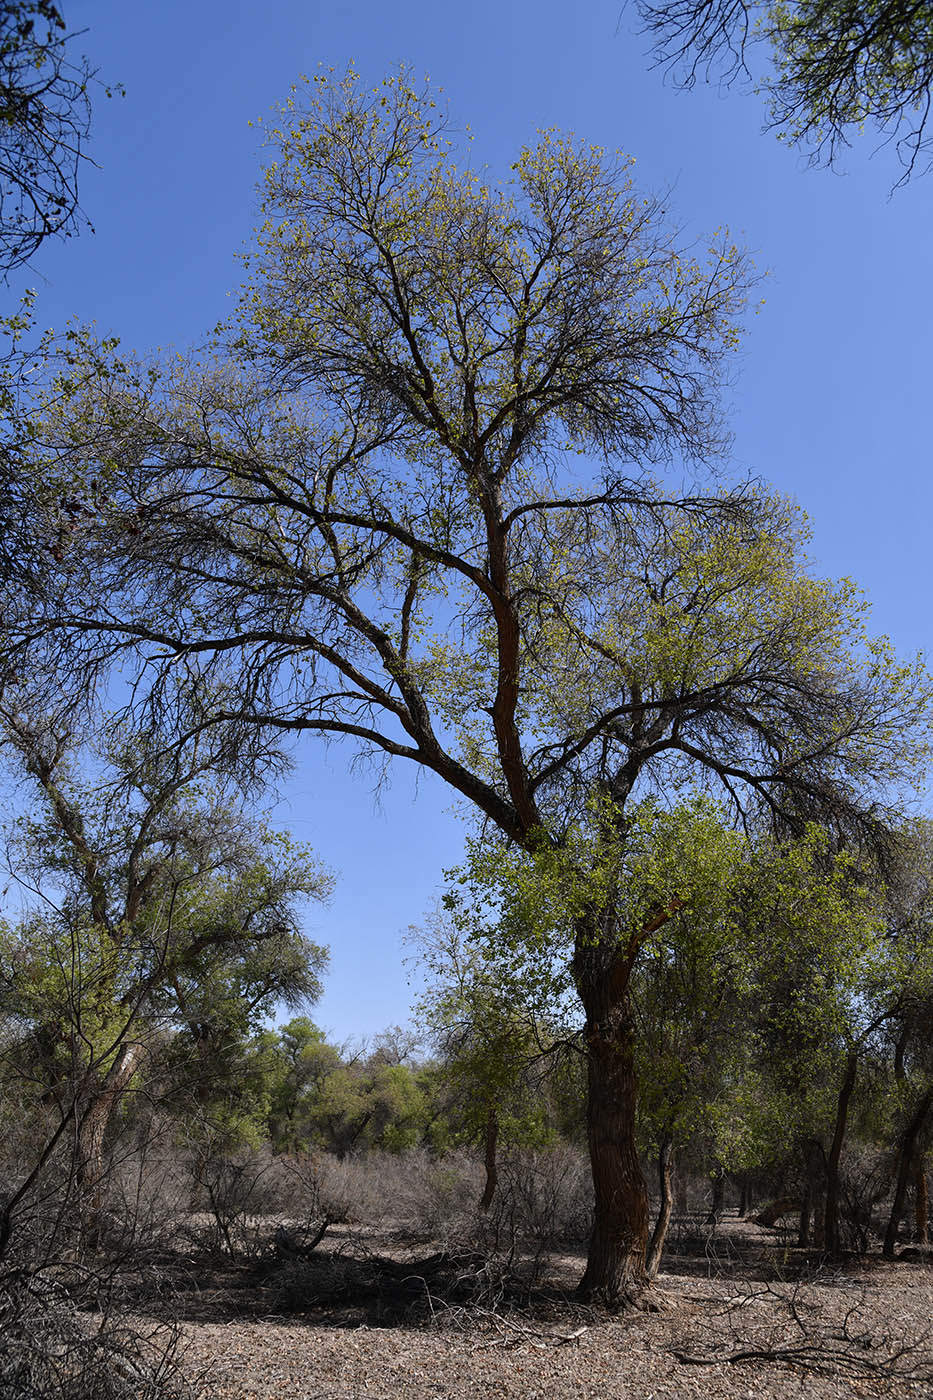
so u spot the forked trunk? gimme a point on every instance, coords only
(615, 1267)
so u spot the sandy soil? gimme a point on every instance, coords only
(857, 1331)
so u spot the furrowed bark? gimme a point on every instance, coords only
(615, 1266)
(92, 1132)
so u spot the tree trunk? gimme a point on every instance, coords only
(659, 1235)
(492, 1172)
(615, 1266)
(831, 1212)
(803, 1227)
(906, 1159)
(92, 1131)
(809, 1206)
(744, 1195)
(715, 1205)
(921, 1210)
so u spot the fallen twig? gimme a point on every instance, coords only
(819, 1359)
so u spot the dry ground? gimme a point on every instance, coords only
(861, 1330)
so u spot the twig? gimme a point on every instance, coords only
(817, 1358)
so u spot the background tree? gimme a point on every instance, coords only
(343, 1100)
(836, 67)
(155, 905)
(375, 519)
(812, 925)
(902, 996)
(304, 1061)
(498, 1035)
(45, 116)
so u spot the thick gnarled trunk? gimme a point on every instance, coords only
(615, 1266)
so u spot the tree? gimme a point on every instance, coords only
(155, 907)
(813, 934)
(687, 994)
(408, 507)
(303, 1062)
(44, 123)
(497, 1033)
(342, 1100)
(836, 66)
(902, 996)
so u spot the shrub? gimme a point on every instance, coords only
(51, 1351)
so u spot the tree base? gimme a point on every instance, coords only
(632, 1295)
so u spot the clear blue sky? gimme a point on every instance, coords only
(833, 393)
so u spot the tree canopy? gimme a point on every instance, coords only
(45, 118)
(833, 68)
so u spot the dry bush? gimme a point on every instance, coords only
(237, 1224)
(51, 1350)
(256, 1200)
(543, 1204)
(148, 1196)
(433, 1199)
(412, 1192)
(865, 1182)
(552, 1195)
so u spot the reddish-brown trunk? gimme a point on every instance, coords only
(615, 1266)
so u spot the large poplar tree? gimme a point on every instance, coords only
(408, 507)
